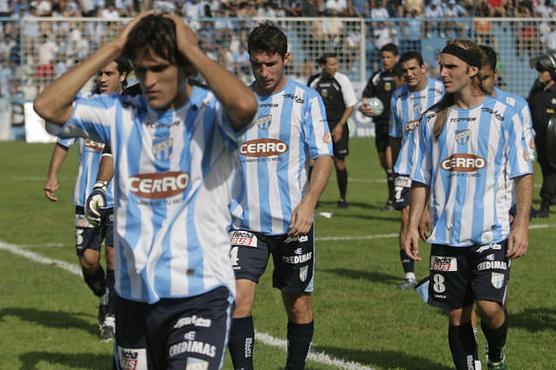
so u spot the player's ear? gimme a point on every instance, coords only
(287, 57)
(473, 71)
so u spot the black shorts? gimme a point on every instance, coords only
(294, 259)
(402, 191)
(461, 275)
(88, 236)
(382, 136)
(176, 333)
(340, 148)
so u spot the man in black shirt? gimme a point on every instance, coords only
(542, 102)
(381, 85)
(338, 96)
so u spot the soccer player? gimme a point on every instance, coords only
(274, 214)
(109, 80)
(408, 103)
(174, 178)
(338, 96)
(381, 85)
(468, 146)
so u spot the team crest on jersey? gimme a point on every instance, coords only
(462, 136)
(324, 93)
(387, 86)
(99, 147)
(162, 148)
(264, 122)
(158, 185)
(497, 279)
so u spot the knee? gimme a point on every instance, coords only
(492, 313)
(243, 303)
(89, 260)
(299, 309)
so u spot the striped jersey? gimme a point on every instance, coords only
(407, 106)
(467, 170)
(174, 178)
(290, 128)
(90, 153)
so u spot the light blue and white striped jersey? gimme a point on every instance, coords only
(467, 170)
(90, 153)
(290, 128)
(174, 178)
(407, 106)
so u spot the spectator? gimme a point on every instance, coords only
(549, 39)
(413, 5)
(336, 8)
(109, 13)
(241, 61)
(434, 12)
(454, 10)
(496, 8)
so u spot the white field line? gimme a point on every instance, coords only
(319, 357)
(45, 245)
(395, 235)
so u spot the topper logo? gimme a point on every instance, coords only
(463, 162)
(263, 148)
(99, 147)
(158, 185)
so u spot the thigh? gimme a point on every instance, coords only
(294, 262)
(491, 272)
(340, 148)
(249, 254)
(87, 236)
(450, 277)
(382, 137)
(108, 226)
(194, 330)
(130, 348)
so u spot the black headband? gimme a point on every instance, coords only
(469, 57)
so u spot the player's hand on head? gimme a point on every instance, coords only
(121, 37)
(95, 202)
(50, 189)
(185, 36)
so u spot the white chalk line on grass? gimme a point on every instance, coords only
(265, 338)
(395, 235)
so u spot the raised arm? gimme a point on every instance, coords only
(238, 100)
(54, 103)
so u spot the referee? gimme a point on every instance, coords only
(338, 96)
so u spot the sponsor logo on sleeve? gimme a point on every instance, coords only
(441, 263)
(263, 148)
(158, 185)
(132, 358)
(99, 147)
(244, 238)
(463, 162)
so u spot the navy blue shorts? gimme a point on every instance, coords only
(88, 236)
(294, 259)
(461, 275)
(173, 334)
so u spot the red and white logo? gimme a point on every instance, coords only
(158, 185)
(263, 148)
(440, 263)
(463, 162)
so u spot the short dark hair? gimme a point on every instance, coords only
(156, 33)
(392, 48)
(324, 57)
(412, 55)
(124, 66)
(490, 57)
(397, 70)
(267, 38)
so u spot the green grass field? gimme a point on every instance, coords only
(48, 316)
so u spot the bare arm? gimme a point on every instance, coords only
(59, 154)
(419, 196)
(518, 241)
(238, 100)
(106, 168)
(338, 130)
(302, 216)
(54, 103)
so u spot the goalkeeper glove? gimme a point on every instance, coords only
(95, 202)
